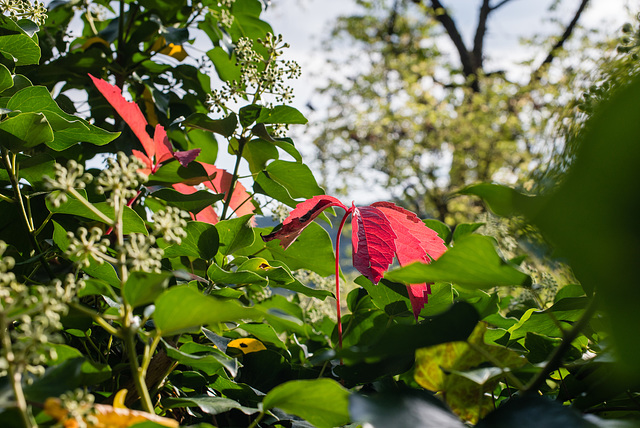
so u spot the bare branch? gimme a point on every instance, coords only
(478, 40)
(560, 43)
(468, 67)
(502, 3)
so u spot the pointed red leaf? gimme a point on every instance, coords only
(129, 111)
(303, 214)
(415, 242)
(145, 160)
(186, 157)
(373, 242)
(161, 144)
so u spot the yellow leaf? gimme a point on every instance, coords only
(92, 41)
(174, 51)
(448, 368)
(105, 416)
(247, 345)
(149, 107)
(118, 399)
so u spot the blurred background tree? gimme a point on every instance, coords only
(425, 120)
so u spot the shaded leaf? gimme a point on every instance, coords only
(323, 402)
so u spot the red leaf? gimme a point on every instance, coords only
(129, 111)
(415, 242)
(373, 241)
(303, 214)
(186, 157)
(161, 145)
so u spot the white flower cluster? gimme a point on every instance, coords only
(122, 177)
(170, 224)
(20, 9)
(87, 245)
(31, 316)
(260, 75)
(141, 253)
(66, 179)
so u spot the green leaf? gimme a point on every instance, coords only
(249, 114)
(226, 67)
(131, 220)
(202, 241)
(208, 359)
(297, 178)
(440, 228)
(472, 263)
(401, 409)
(225, 127)
(142, 288)
(25, 130)
(221, 276)
(235, 234)
(503, 201)
(246, 21)
(208, 404)
(322, 402)
(67, 376)
(68, 129)
(35, 168)
(6, 80)
(265, 333)
(22, 48)
(389, 296)
(103, 271)
(533, 411)
(206, 142)
(173, 172)
(194, 202)
(281, 114)
(465, 229)
(258, 152)
(184, 308)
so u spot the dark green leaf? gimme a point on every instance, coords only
(132, 221)
(258, 152)
(235, 234)
(532, 411)
(202, 241)
(239, 277)
(184, 308)
(25, 130)
(208, 404)
(322, 402)
(389, 296)
(472, 263)
(249, 114)
(225, 127)
(142, 288)
(409, 409)
(208, 359)
(194, 202)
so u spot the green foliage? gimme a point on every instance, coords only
(159, 283)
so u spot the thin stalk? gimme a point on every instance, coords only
(10, 167)
(148, 353)
(15, 377)
(97, 318)
(136, 371)
(234, 179)
(257, 420)
(559, 352)
(338, 314)
(89, 205)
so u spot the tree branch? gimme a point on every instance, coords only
(560, 43)
(450, 27)
(478, 40)
(502, 3)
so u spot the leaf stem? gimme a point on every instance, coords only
(15, 377)
(11, 169)
(234, 178)
(338, 315)
(558, 353)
